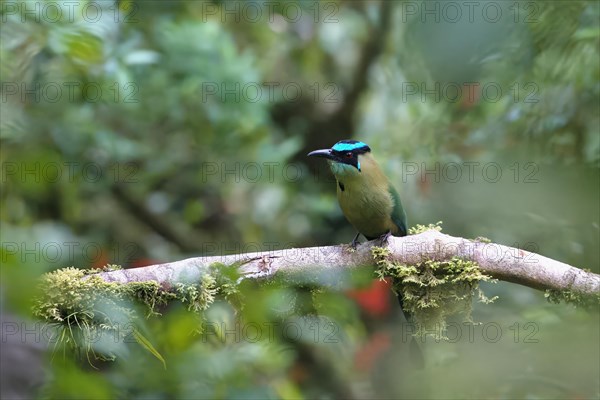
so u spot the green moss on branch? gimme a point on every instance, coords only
(577, 299)
(83, 305)
(433, 290)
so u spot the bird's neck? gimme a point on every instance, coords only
(370, 173)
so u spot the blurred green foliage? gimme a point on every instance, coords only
(139, 132)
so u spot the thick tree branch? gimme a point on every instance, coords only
(501, 262)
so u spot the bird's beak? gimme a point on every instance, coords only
(325, 153)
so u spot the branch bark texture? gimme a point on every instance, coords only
(501, 262)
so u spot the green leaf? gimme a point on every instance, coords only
(145, 343)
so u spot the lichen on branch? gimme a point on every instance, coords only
(82, 305)
(433, 290)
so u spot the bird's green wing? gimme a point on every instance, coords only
(398, 214)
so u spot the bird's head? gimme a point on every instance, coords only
(344, 157)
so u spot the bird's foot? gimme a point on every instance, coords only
(355, 241)
(384, 238)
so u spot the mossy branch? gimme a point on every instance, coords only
(436, 274)
(497, 261)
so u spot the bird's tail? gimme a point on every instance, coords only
(415, 351)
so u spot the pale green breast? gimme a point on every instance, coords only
(367, 207)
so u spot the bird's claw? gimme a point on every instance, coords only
(384, 238)
(355, 241)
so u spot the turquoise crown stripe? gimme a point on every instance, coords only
(348, 146)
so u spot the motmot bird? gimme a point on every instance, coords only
(368, 200)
